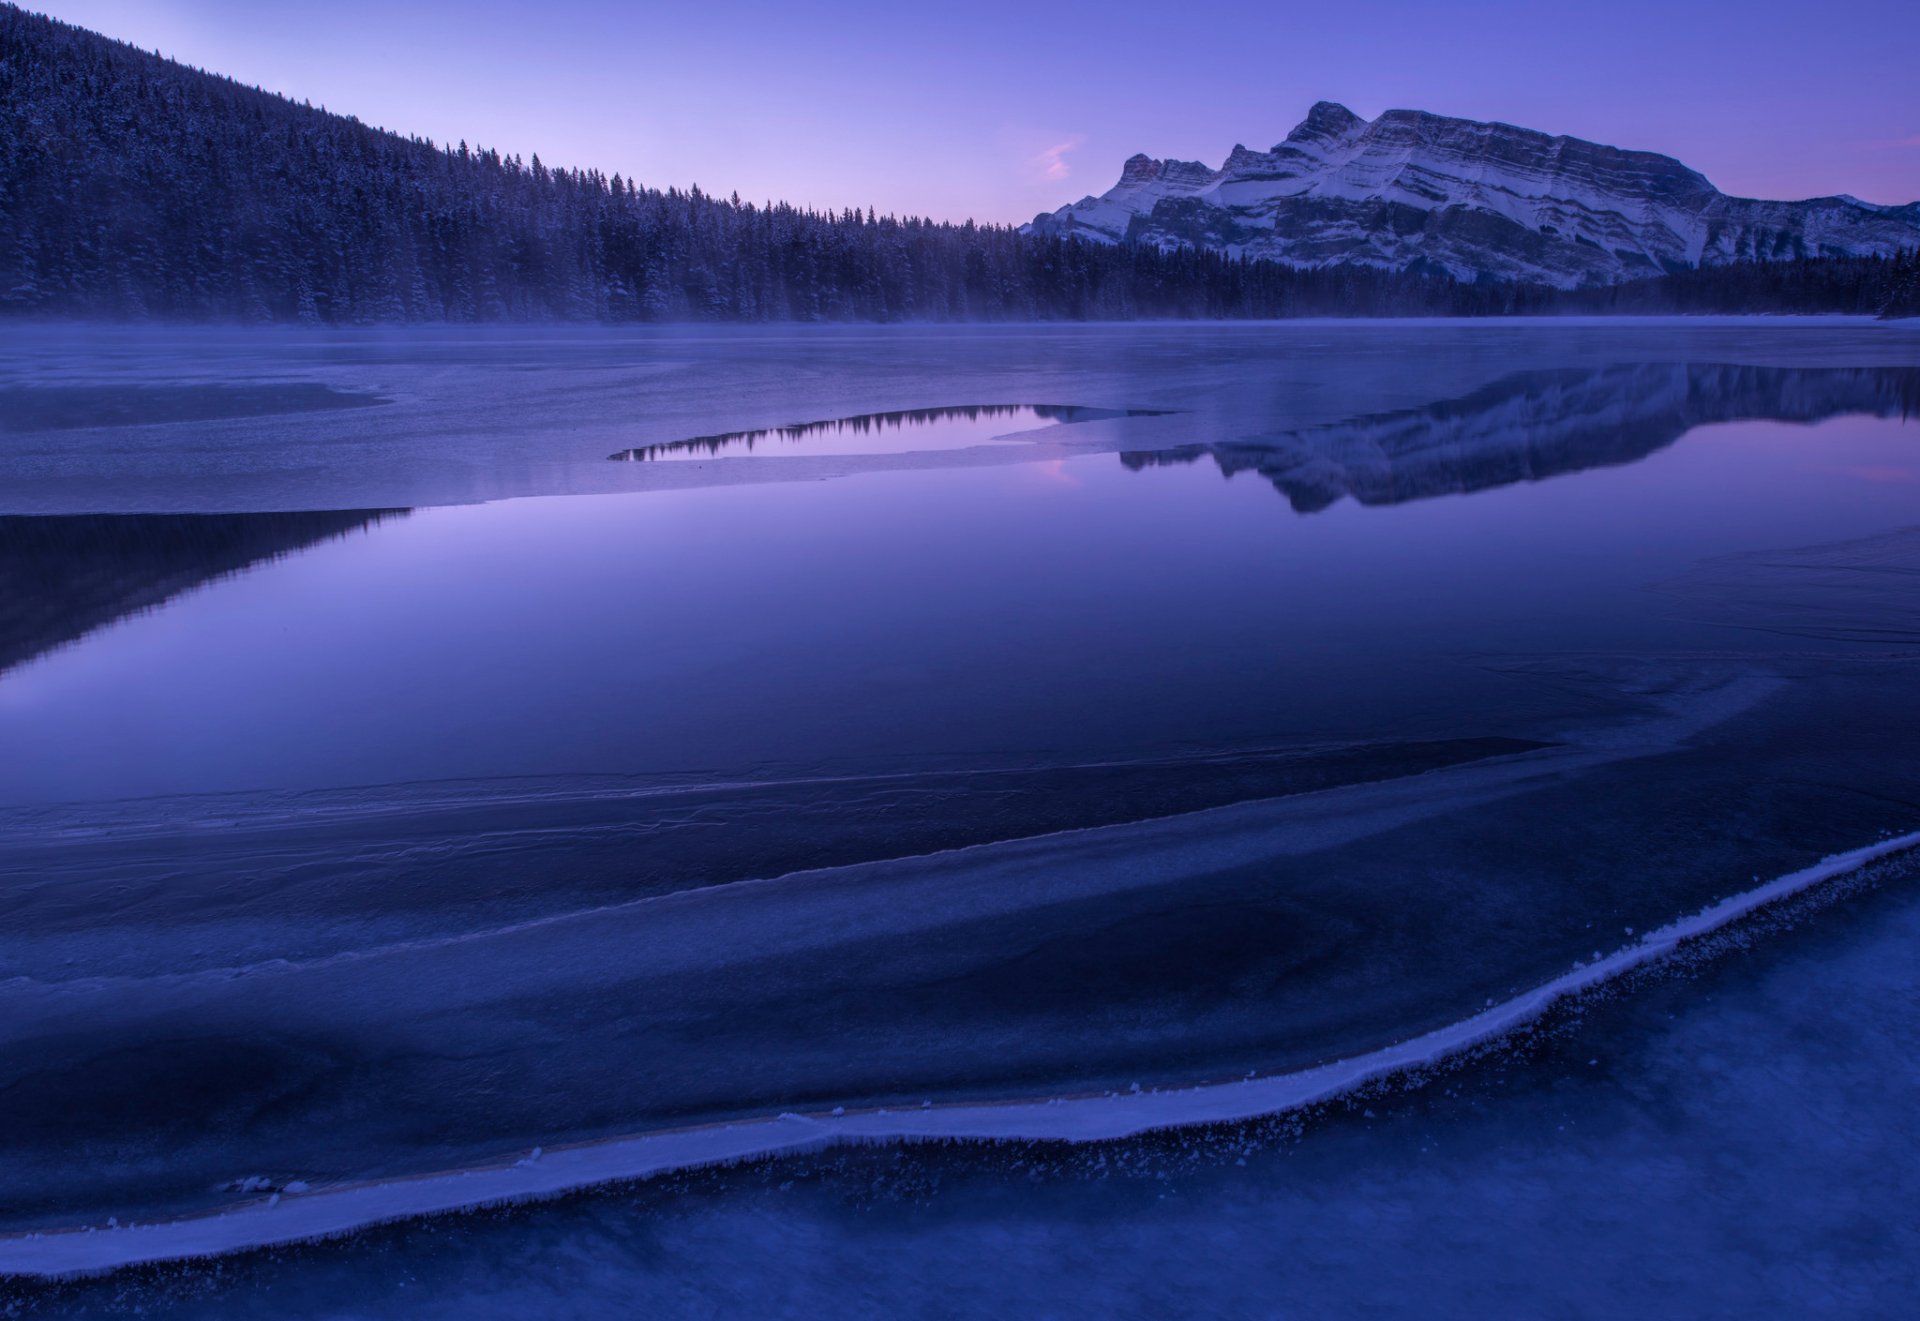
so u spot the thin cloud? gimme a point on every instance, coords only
(1052, 161)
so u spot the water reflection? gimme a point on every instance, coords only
(883, 433)
(966, 614)
(62, 577)
(1539, 424)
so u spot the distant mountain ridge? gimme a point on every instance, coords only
(1431, 194)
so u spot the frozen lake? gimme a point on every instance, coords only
(427, 748)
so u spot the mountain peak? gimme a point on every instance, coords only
(1327, 119)
(1413, 190)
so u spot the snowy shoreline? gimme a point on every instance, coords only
(297, 1216)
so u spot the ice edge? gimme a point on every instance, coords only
(548, 1172)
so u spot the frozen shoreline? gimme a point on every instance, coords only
(290, 1217)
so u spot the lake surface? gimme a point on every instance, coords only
(399, 784)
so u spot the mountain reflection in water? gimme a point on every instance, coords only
(1534, 425)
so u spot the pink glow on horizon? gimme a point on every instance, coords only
(1881, 476)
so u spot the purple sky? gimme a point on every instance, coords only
(998, 110)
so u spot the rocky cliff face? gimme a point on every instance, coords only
(1415, 191)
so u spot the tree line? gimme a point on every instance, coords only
(135, 187)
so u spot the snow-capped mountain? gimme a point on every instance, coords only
(1412, 190)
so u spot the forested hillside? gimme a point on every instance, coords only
(134, 187)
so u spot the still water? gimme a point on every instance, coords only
(1042, 612)
(1203, 723)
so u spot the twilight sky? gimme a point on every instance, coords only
(998, 110)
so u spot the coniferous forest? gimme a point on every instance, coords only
(134, 187)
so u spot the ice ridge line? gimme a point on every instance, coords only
(291, 1217)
